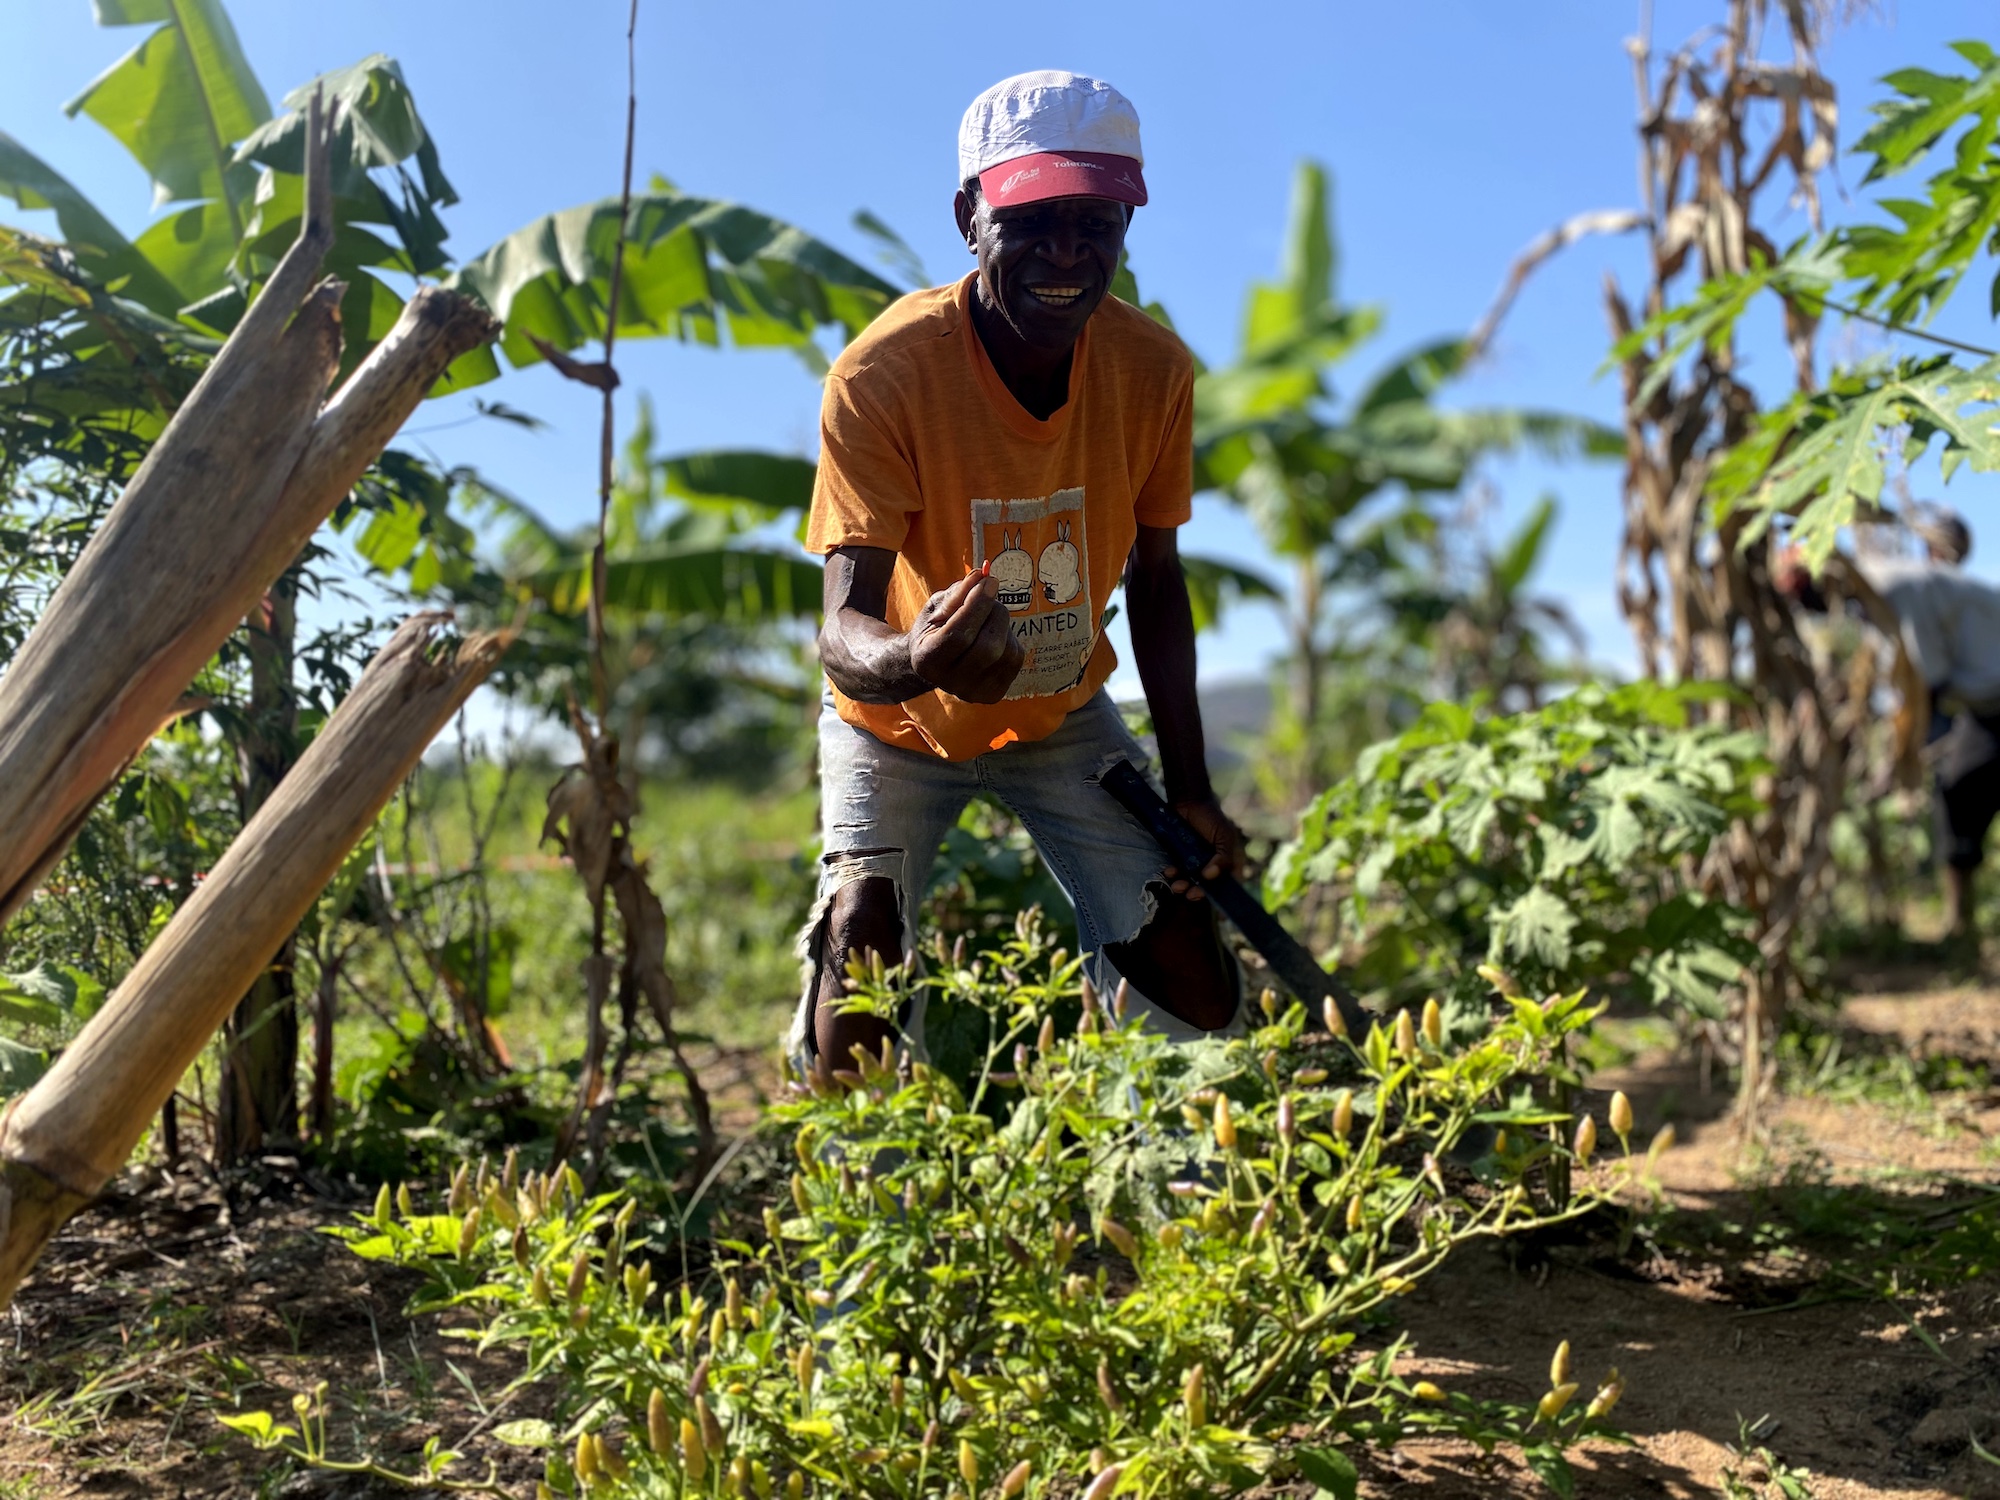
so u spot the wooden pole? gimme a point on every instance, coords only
(62, 1140)
(244, 473)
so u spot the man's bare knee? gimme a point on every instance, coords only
(865, 916)
(1176, 961)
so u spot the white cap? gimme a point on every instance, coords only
(1056, 135)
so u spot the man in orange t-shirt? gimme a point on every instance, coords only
(994, 455)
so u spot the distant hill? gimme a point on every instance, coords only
(1235, 711)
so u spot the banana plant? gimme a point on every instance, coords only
(1273, 436)
(102, 335)
(189, 108)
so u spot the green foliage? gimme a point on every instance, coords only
(1820, 458)
(1214, 585)
(1911, 269)
(179, 101)
(1553, 845)
(87, 379)
(1311, 470)
(36, 1004)
(693, 266)
(1754, 1472)
(1155, 1259)
(135, 860)
(99, 249)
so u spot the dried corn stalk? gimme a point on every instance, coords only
(1721, 127)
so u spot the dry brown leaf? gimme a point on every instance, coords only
(596, 374)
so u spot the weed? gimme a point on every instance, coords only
(1756, 1473)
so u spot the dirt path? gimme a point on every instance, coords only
(1852, 1390)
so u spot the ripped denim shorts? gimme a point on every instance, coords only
(884, 811)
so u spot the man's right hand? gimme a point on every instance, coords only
(963, 642)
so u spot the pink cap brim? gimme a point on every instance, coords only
(1064, 174)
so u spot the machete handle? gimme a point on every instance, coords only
(1290, 961)
(1189, 851)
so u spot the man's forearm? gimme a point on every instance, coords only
(867, 660)
(1163, 644)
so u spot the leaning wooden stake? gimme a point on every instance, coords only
(246, 470)
(62, 1140)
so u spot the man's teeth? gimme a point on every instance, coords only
(1057, 294)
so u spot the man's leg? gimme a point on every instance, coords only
(1178, 959)
(1164, 945)
(1958, 900)
(883, 812)
(865, 916)
(1968, 797)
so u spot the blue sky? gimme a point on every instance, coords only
(1457, 130)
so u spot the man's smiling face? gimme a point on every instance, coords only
(1044, 266)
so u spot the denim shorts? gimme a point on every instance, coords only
(885, 810)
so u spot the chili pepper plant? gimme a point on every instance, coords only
(1144, 1275)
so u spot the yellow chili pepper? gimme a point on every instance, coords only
(1195, 1398)
(1330, 1013)
(1586, 1139)
(1120, 1237)
(694, 1457)
(659, 1425)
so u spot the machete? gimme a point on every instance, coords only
(1190, 852)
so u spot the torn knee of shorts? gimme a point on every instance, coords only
(1128, 924)
(838, 870)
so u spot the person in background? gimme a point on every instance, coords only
(994, 455)
(1950, 625)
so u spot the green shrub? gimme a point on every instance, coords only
(1558, 845)
(1155, 1264)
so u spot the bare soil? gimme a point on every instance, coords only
(1845, 1383)
(172, 1300)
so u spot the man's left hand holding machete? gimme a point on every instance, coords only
(993, 454)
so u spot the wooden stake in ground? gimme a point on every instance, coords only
(246, 470)
(62, 1140)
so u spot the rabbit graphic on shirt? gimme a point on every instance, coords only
(1014, 570)
(1059, 569)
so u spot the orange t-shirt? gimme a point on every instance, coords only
(924, 451)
